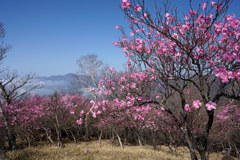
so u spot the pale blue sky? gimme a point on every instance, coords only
(48, 36)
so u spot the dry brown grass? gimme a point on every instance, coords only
(107, 151)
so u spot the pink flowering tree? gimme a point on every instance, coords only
(23, 117)
(77, 109)
(128, 100)
(62, 114)
(226, 128)
(54, 115)
(197, 54)
(12, 87)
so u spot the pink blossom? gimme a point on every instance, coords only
(222, 74)
(159, 112)
(192, 12)
(196, 104)
(99, 112)
(111, 69)
(167, 15)
(126, 4)
(129, 63)
(175, 35)
(186, 18)
(108, 92)
(145, 15)
(92, 89)
(115, 43)
(236, 74)
(82, 113)
(94, 115)
(211, 106)
(199, 51)
(80, 121)
(204, 5)
(129, 54)
(185, 27)
(219, 7)
(138, 8)
(133, 85)
(229, 17)
(213, 3)
(151, 70)
(187, 108)
(91, 102)
(99, 91)
(118, 27)
(124, 38)
(72, 111)
(177, 55)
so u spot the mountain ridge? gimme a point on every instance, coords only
(57, 83)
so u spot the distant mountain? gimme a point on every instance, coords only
(58, 83)
(65, 77)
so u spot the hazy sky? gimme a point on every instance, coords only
(48, 36)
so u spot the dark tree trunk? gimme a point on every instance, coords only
(154, 143)
(201, 146)
(12, 141)
(203, 155)
(2, 147)
(11, 136)
(191, 150)
(189, 142)
(202, 141)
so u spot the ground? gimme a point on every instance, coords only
(106, 151)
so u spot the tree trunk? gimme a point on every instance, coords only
(58, 132)
(28, 140)
(154, 140)
(10, 135)
(112, 135)
(171, 141)
(59, 143)
(139, 140)
(74, 138)
(203, 155)
(49, 136)
(99, 138)
(87, 132)
(193, 155)
(11, 140)
(201, 146)
(139, 136)
(2, 147)
(202, 140)
(119, 140)
(189, 143)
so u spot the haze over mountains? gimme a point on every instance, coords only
(58, 83)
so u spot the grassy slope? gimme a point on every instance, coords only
(93, 151)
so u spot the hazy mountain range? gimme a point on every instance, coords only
(58, 83)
